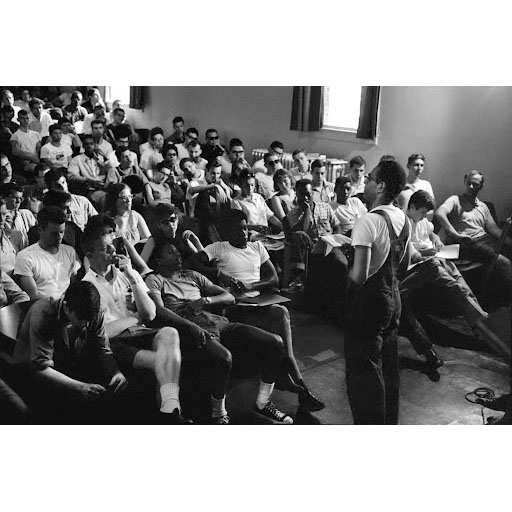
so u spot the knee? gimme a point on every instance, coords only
(168, 339)
(279, 313)
(276, 343)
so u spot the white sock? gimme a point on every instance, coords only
(264, 394)
(219, 407)
(170, 394)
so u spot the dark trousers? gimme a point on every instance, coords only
(371, 353)
(13, 410)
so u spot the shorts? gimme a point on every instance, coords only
(125, 347)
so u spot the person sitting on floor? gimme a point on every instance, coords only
(468, 222)
(245, 266)
(127, 305)
(64, 350)
(326, 275)
(258, 214)
(347, 209)
(189, 294)
(46, 268)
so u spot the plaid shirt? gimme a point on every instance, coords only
(323, 193)
(323, 221)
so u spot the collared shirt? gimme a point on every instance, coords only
(117, 300)
(21, 220)
(323, 221)
(323, 193)
(83, 168)
(46, 341)
(81, 210)
(75, 114)
(255, 207)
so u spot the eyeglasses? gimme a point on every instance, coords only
(172, 154)
(126, 198)
(213, 137)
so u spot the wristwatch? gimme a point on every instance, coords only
(207, 300)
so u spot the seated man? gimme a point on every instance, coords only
(236, 152)
(70, 137)
(190, 135)
(11, 242)
(98, 114)
(46, 268)
(17, 218)
(326, 275)
(10, 292)
(74, 111)
(323, 191)
(265, 179)
(212, 148)
(150, 152)
(38, 120)
(81, 208)
(245, 266)
(194, 152)
(178, 136)
(122, 137)
(468, 222)
(25, 144)
(87, 172)
(276, 148)
(64, 349)
(189, 294)
(356, 172)
(6, 174)
(55, 153)
(303, 166)
(127, 305)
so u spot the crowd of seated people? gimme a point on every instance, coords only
(181, 235)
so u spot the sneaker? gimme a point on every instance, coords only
(221, 420)
(296, 286)
(272, 413)
(175, 418)
(309, 401)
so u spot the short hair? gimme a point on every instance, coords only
(163, 211)
(6, 189)
(266, 157)
(99, 106)
(76, 94)
(118, 110)
(211, 130)
(98, 121)
(101, 220)
(183, 161)
(474, 172)
(88, 136)
(413, 157)
(7, 109)
(50, 214)
(302, 184)
(193, 144)
(235, 142)
(121, 131)
(120, 151)
(297, 151)
(245, 175)
(178, 119)
(341, 180)
(52, 176)
(421, 199)
(41, 166)
(276, 144)
(393, 175)
(33, 103)
(91, 233)
(56, 198)
(54, 127)
(317, 164)
(155, 131)
(383, 158)
(357, 161)
(91, 91)
(162, 165)
(169, 146)
(113, 191)
(232, 216)
(213, 163)
(279, 175)
(83, 299)
(22, 112)
(192, 130)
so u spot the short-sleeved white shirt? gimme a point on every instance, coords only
(27, 141)
(371, 230)
(254, 207)
(116, 296)
(420, 234)
(348, 213)
(469, 221)
(58, 156)
(51, 272)
(241, 264)
(266, 184)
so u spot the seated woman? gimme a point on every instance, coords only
(11, 242)
(284, 200)
(166, 228)
(157, 189)
(259, 215)
(415, 165)
(346, 209)
(129, 223)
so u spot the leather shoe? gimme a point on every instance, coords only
(309, 401)
(433, 360)
(175, 418)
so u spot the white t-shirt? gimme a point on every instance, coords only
(349, 213)
(420, 234)
(27, 141)
(241, 264)
(51, 272)
(40, 125)
(150, 158)
(182, 151)
(259, 166)
(371, 230)
(254, 207)
(266, 184)
(409, 189)
(58, 156)
(116, 296)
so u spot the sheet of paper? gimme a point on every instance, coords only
(336, 240)
(449, 252)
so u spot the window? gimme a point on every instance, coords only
(118, 92)
(342, 105)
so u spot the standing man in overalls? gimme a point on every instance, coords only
(381, 244)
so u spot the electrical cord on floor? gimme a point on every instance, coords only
(482, 394)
